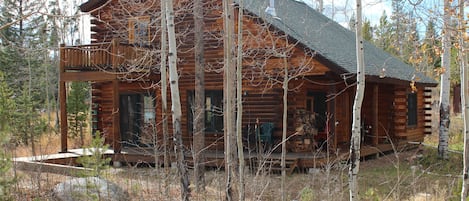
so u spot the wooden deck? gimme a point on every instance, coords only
(63, 163)
(109, 56)
(301, 160)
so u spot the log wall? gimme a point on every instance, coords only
(262, 75)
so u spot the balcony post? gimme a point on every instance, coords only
(63, 102)
(114, 54)
(375, 115)
(115, 102)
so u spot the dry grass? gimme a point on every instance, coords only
(384, 178)
(389, 177)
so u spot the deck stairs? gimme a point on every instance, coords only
(275, 165)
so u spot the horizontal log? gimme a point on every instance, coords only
(86, 76)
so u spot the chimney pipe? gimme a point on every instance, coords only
(271, 9)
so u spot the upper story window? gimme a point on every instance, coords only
(139, 30)
(412, 109)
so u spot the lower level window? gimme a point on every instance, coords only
(213, 111)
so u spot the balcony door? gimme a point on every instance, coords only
(137, 119)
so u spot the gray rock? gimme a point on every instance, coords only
(89, 188)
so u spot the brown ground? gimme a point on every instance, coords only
(383, 178)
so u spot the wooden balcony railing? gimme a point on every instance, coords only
(110, 56)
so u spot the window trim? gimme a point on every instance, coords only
(141, 121)
(134, 37)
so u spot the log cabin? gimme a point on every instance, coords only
(123, 64)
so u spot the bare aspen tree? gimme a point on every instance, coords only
(199, 100)
(269, 45)
(239, 101)
(164, 98)
(176, 102)
(357, 104)
(445, 83)
(284, 130)
(464, 98)
(228, 96)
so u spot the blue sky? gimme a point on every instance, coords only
(422, 10)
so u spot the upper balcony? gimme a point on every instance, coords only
(105, 61)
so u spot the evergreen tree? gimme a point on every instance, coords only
(411, 43)
(7, 107)
(383, 33)
(398, 29)
(25, 49)
(77, 109)
(27, 120)
(430, 49)
(95, 160)
(367, 31)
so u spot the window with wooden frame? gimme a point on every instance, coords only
(412, 109)
(213, 111)
(316, 104)
(137, 113)
(139, 30)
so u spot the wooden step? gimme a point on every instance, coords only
(275, 165)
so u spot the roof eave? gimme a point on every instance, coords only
(395, 81)
(91, 5)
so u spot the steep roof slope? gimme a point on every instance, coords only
(331, 40)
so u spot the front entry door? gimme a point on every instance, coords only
(130, 118)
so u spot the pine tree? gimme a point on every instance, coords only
(77, 109)
(367, 31)
(430, 49)
(383, 33)
(27, 121)
(7, 106)
(411, 43)
(398, 29)
(95, 160)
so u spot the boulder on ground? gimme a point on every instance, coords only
(89, 188)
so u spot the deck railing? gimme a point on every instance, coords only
(109, 56)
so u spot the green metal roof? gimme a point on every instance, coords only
(332, 41)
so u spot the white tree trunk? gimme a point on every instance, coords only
(356, 123)
(284, 130)
(164, 98)
(176, 102)
(239, 101)
(464, 99)
(445, 85)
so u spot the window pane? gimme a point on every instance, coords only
(139, 30)
(213, 111)
(412, 109)
(149, 109)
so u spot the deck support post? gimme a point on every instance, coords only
(115, 117)
(116, 145)
(63, 117)
(331, 135)
(375, 115)
(63, 103)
